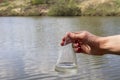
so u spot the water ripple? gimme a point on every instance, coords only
(29, 48)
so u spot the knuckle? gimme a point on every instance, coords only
(85, 32)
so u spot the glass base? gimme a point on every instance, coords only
(66, 67)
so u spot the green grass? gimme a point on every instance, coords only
(37, 2)
(63, 8)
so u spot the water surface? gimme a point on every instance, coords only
(29, 48)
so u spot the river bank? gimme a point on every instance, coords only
(86, 8)
(22, 8)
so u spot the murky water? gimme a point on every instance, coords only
(29, 48)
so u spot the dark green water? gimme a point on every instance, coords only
(29, 48)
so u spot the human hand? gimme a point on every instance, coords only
(83, 42)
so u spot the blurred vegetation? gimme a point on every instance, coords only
(38, 1)
(60, 7)
(65, 8)
(106, 8)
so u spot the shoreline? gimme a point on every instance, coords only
(86, 8)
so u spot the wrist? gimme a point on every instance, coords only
(103, 44)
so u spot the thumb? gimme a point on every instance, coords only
(76, 36)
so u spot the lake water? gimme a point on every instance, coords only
(29, 48)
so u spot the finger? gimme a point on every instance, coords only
(75, 45)
(66, 40)
(74, 36)
(86, 49)
(62, 42)
(77, 32)
(78, 50)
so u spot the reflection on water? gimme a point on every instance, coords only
(29, 48)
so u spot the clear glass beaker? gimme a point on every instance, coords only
(67, 61)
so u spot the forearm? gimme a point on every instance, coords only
(110, 44)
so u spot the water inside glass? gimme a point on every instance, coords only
(67, 60)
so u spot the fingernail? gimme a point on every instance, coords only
(69, 34)
(62, 44)
(63, 39)
(79, 49)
